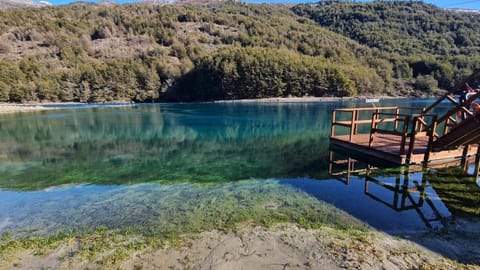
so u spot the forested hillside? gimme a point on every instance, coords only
(437, 42)
(187, 51)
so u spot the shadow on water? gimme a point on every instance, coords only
(437, 208)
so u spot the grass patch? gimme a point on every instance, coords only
(458, 191)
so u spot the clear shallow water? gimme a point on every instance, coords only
(191, 166)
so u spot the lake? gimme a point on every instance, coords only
(193, 167)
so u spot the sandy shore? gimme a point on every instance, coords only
(285, 246)
(15, 108)
(6, 108)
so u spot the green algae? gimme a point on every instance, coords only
(175, 209)
(183, 210)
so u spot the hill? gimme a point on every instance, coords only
(438, 42)
(202, 51)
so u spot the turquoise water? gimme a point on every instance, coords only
(187, 166)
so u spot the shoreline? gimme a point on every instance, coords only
(8, 108)
(249, 246)
(367, 99)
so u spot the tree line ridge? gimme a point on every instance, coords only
(206, 51)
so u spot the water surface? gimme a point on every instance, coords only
(191, 166)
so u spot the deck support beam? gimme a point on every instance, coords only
(477, 163)
(464, 161)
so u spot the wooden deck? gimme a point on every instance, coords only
(412, 136)
(403, 136)
(387, 147)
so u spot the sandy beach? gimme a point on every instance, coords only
(15, 108)
(284, 246)
(6, 108)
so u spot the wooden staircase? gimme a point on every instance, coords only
(459, 126)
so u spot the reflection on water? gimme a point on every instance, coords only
(407, 196)
(175, 166)
(185, 142)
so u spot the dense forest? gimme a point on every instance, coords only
(435, 42)
(205, 51)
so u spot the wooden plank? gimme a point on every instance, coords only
(389, 132)
(390, 157)
(349, 123)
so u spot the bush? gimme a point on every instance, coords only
(426, 83)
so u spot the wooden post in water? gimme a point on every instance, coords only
(464, 161)
(477, 163)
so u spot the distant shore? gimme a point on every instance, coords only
(6, 108)
(309, 99)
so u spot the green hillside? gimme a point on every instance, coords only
(438, 42)
(205, 51)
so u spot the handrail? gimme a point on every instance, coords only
(365, 109)
(355, 120)
(413, 125)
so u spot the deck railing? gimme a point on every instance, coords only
(406, 126)
(353, 118)
(387, 120)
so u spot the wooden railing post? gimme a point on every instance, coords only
(413, 134)
(332, 128)
(397, 112)
(353, 124)
(431, 134)
(355, 127)
(373, 128)
(404, 134)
